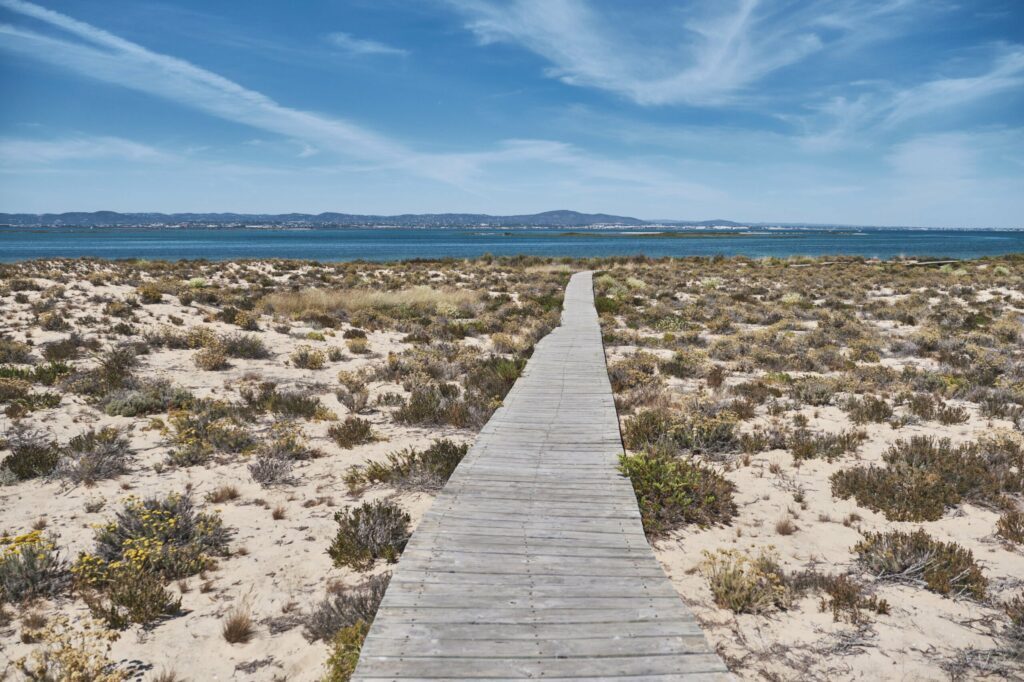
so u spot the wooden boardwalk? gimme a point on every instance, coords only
(532, 562)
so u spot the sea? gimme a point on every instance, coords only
(386, 244)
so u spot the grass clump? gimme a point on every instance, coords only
(924, 477)
(375, 530)
(345, 609)
(30, 566)
(676, 491)
(238, 626)
(352, 432)
(746, 584)
(942, 567)
(427, 469)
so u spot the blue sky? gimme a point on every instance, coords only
(891, 112)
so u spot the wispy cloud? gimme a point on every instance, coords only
(882, 108)
(45, 151)
(105, 57)
(350, 43)
(696, 56)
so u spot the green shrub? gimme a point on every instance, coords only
(30, 566)
(375, 530)
(647, 428)
(345, 648)
(813, 391)
(675, 491)
(917, 558)
(426, 469)
(746, 584)
(352, 432)
(924, 477)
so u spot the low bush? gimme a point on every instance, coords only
(248, 346)
(352, 432)
(94, 456)
(746, 584)
(211, 358)
(868, 409)
(841, 594)
(375, 530)
(33, 455)
(696, 427)
(297, 403)
(207, 427)
(924, 477)
(151, 397)
(269, 471)
(71, 653)
(804, 444)
(433, 404)
(1011, 526)
(427, 469)
(345, 609)
(676, 491)
(166, 537)
(30, 566)
(917, 558)
(128, 596)
(306, 357)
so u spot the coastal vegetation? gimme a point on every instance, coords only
(824, 452)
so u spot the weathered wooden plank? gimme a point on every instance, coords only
(532, 561)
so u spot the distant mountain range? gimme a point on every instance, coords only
(546, 219)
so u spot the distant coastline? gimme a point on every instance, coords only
(303, 221)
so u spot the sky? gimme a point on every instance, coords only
(869, 112)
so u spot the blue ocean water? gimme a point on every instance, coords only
(336, 244)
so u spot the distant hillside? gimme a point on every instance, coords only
(112, 218)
